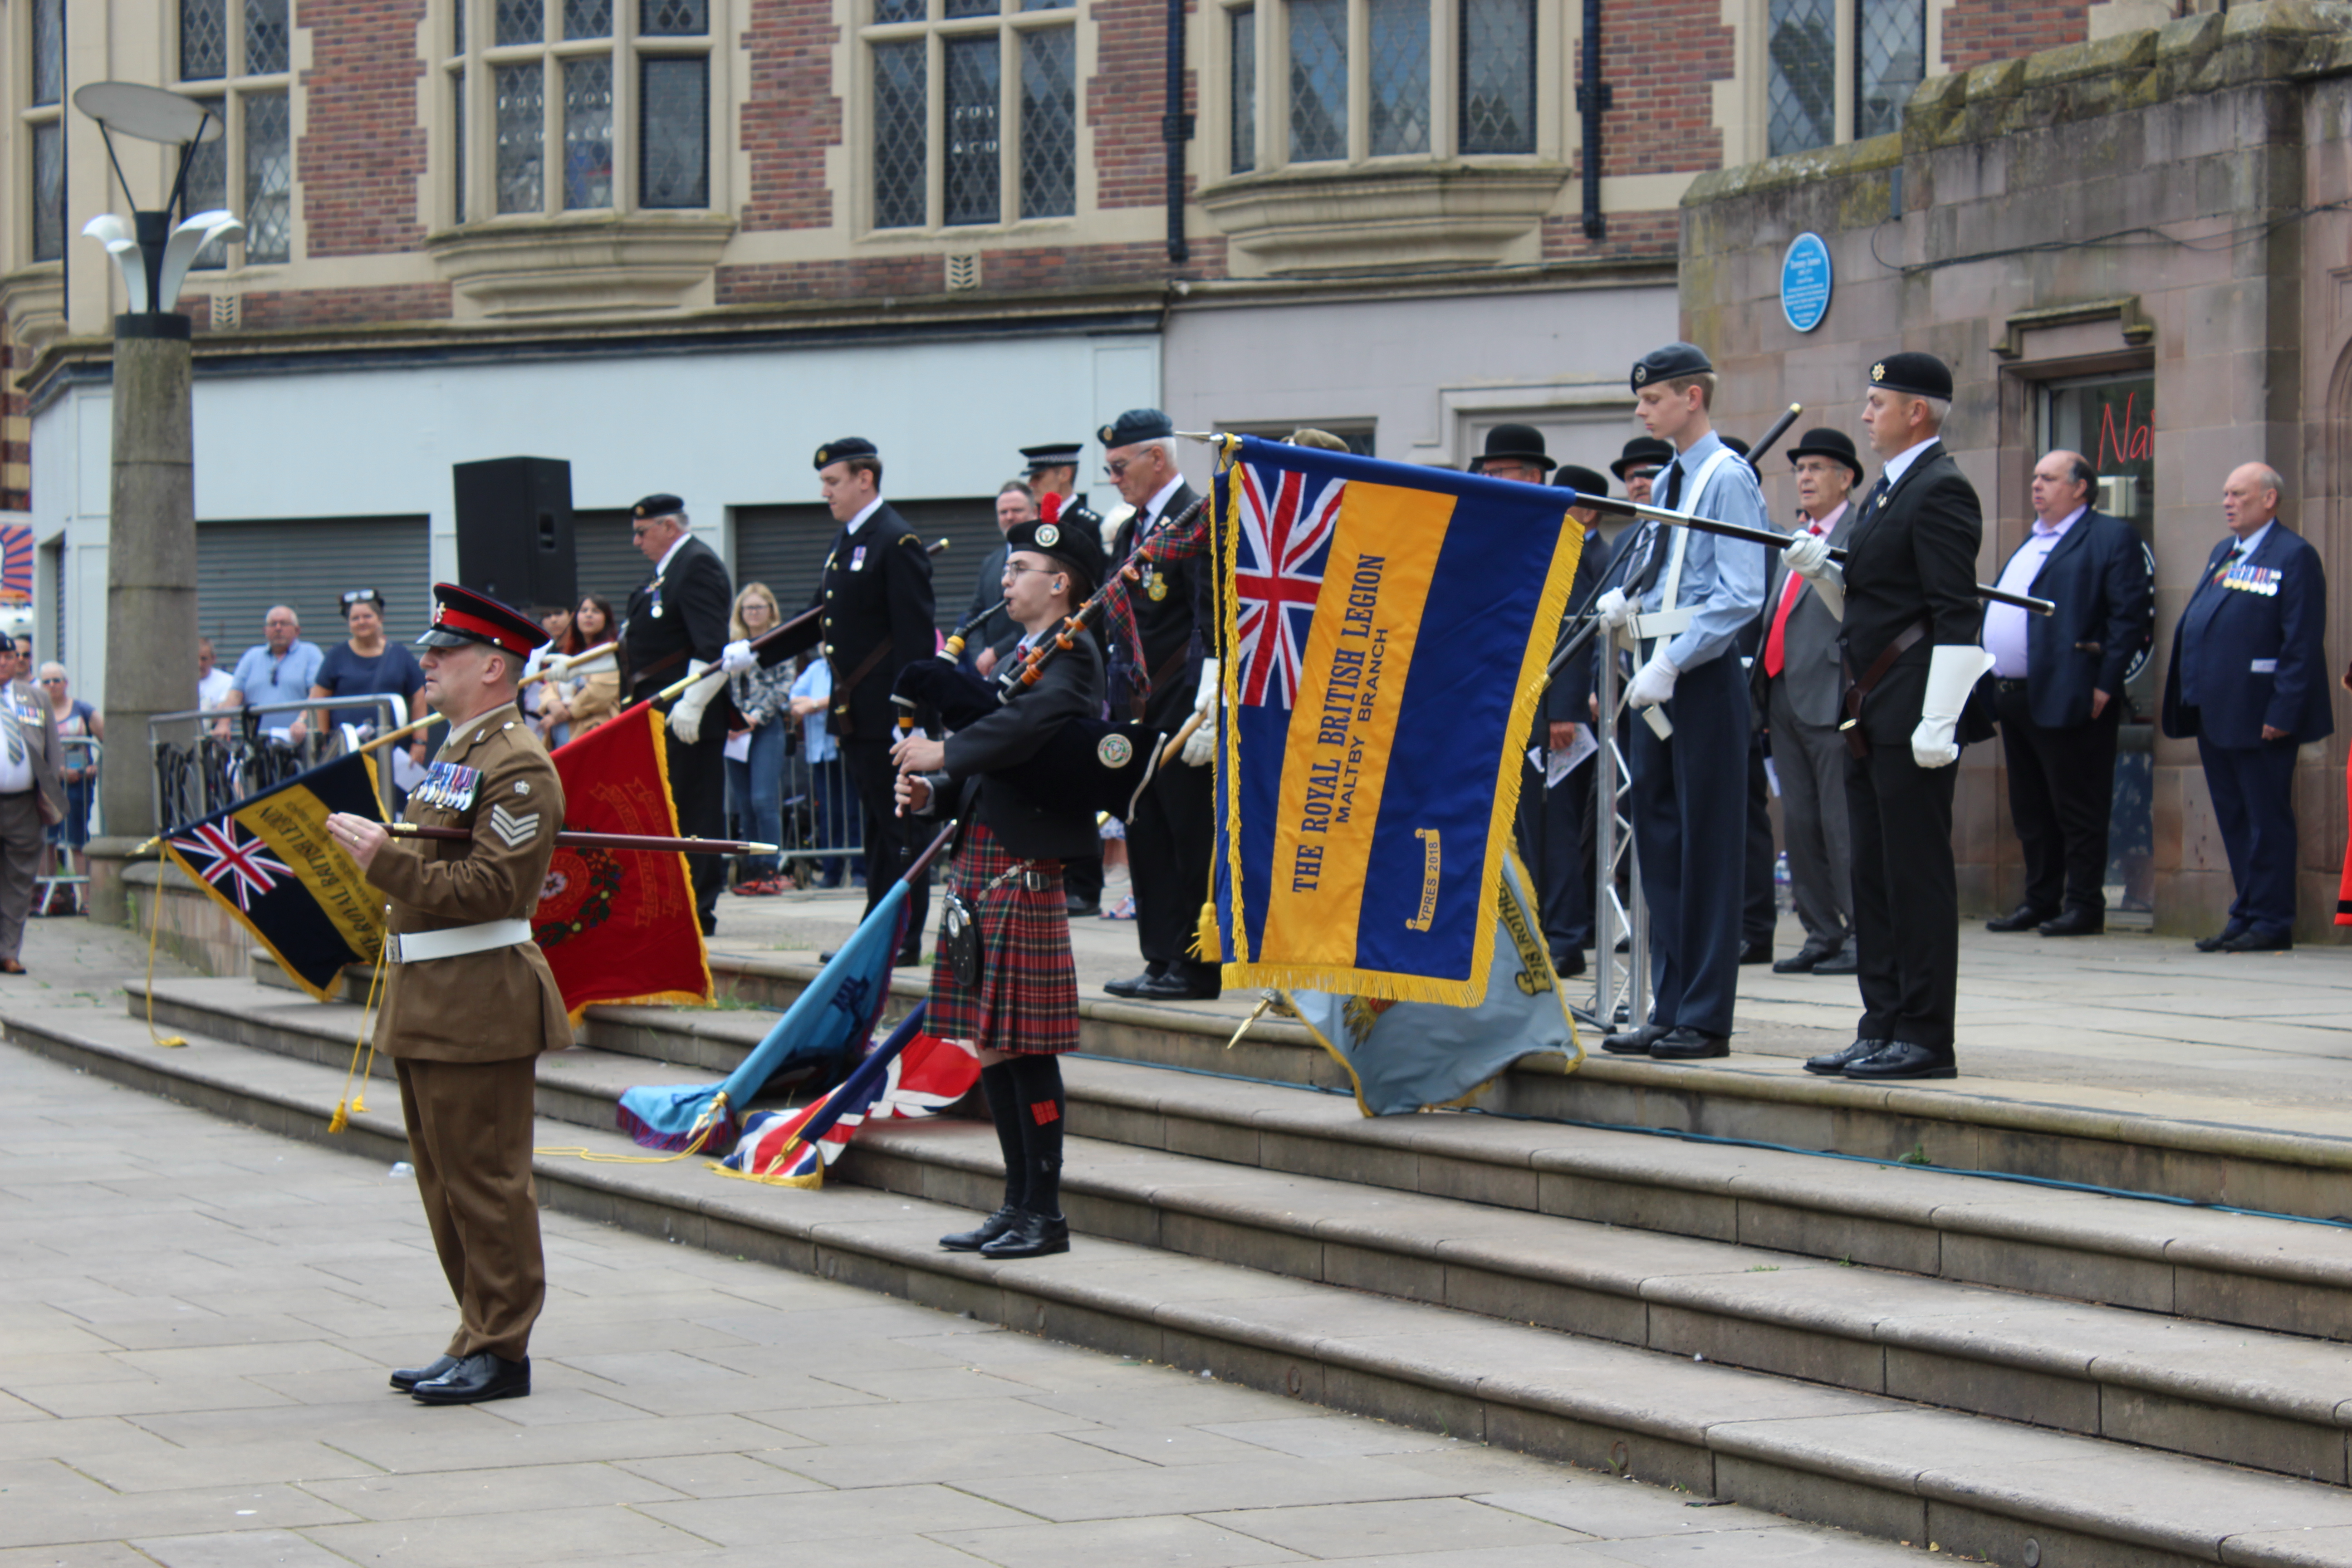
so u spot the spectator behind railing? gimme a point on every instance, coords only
(76, 719)
(755, 752)
(281, 668)
(584, 694)
(365, 664)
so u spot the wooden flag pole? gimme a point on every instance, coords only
(648, 843)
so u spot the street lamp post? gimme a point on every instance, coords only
(151, 533)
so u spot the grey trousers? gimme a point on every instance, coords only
(20, 860)
(1810, 762)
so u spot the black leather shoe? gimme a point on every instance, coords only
(2075, 922)
(2260, 942)
(1129, 988)
(1080, 909)
(1901, 1059)
(1757, 952)
(1568, 967)
(1031, 1236)
(983, 1233)
(2222, 937)
(2025, 917)
(1688, 1045)
(909, 958)
(408, 1377)
(1635, 1042)
(1844, 961)
(1174, 987)
(474, 1379)
(1829, 1064)
(1804, 959)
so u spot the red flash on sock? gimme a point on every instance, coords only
(1045, 1111)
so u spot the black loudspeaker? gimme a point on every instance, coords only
(514, 530)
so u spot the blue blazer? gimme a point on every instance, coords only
(2099, 577)
(2258, 657)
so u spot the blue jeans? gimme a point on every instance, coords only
(755, 797)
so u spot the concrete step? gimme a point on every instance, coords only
(1181, 1163)
(2265, 1273)
(2198, 1150)
(1970, 1484)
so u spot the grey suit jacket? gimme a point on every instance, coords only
(48, 751)
(1809, 645)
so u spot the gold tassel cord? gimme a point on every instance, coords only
(155, 934)
(704, 1123)
(354, 1102)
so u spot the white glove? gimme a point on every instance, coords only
(1807, 556)
(1952, 674)
(1655, 682)
(1200, 745)
(685, 719)
(1613, 608)
(737, 655)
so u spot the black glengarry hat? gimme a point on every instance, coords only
(1074, 545)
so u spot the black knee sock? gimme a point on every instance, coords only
(1037, 1088)
(1005, 1109)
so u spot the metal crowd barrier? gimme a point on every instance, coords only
(229, 753)
(65, 871)
(823, 827)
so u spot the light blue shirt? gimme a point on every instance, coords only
(263, 678)
(816, 680)
(1722, 581)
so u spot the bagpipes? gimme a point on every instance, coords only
(1098, 765)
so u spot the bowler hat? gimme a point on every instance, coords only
(1825, 442)
(1642, 452)
(1572, 477)
(1516, 443)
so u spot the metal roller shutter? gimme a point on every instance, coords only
(608, 564)
(244, 568)
(784, 546)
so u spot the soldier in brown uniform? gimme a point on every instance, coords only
(468, 1000)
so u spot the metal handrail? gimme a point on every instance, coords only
(204, 774)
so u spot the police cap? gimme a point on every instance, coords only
(1053, 454)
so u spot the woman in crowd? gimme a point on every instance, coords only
(76, 719)
(365, 664)
(584, 694)
(562, 642)
(1023, 1011)
(755, 753)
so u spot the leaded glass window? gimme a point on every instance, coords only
(268, 178)
(521, 21)
(588, 19)
(49, 52)
(237, 56)
(1242, 90)
(1049, 126)
(900, 138)
(993, 107)
(674, 18)
(1801, 89)
(1889, 60)
(1400, 77)
(1318, 80)
(458, 144)
(1498, 103)
(47, 131)
(522, 105)
(49, 192)
(675, 132)
(588, 132)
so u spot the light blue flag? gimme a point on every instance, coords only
(824, 1025)
(1409, 1055)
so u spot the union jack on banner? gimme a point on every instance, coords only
(908, 1075)
(1282, 546)
(16, 564)
(238, 865)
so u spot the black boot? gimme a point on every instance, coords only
(997, 1088)
(977, 1238)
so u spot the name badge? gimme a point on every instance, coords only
(447, 786)
(858, 559)
(2265, 667)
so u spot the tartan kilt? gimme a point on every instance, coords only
(1027, 1000)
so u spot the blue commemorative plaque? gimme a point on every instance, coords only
(1805, 282)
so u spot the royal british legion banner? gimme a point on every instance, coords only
(1386, 628)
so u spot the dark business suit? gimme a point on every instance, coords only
(1551, 821)
(1910, 562)
(1171, 836)
(985, 622)
(1799, 708)
(2062, 760)
(694, 598)
(2244, 658)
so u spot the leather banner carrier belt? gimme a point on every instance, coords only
(1857, 694)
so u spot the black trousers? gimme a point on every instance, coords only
(1690, 824)
(2062, 786)
(891, 841)
(698, 785)
(1082, 878)
(1551, 843)
(1757, 913)
(1168, 840)
(1906, 896)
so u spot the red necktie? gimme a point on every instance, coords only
(1775, 652)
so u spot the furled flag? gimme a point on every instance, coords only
(908, 1075)
(620, 926)
(1385, 630)
(268, 861)
(1409, 1055)
(819, 1034)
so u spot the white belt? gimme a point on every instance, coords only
(1656, 624)
(417, 946)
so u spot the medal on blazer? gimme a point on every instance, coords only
(448, 786)
(1154, 583)
(858, 559)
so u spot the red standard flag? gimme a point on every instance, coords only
(620, 926)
